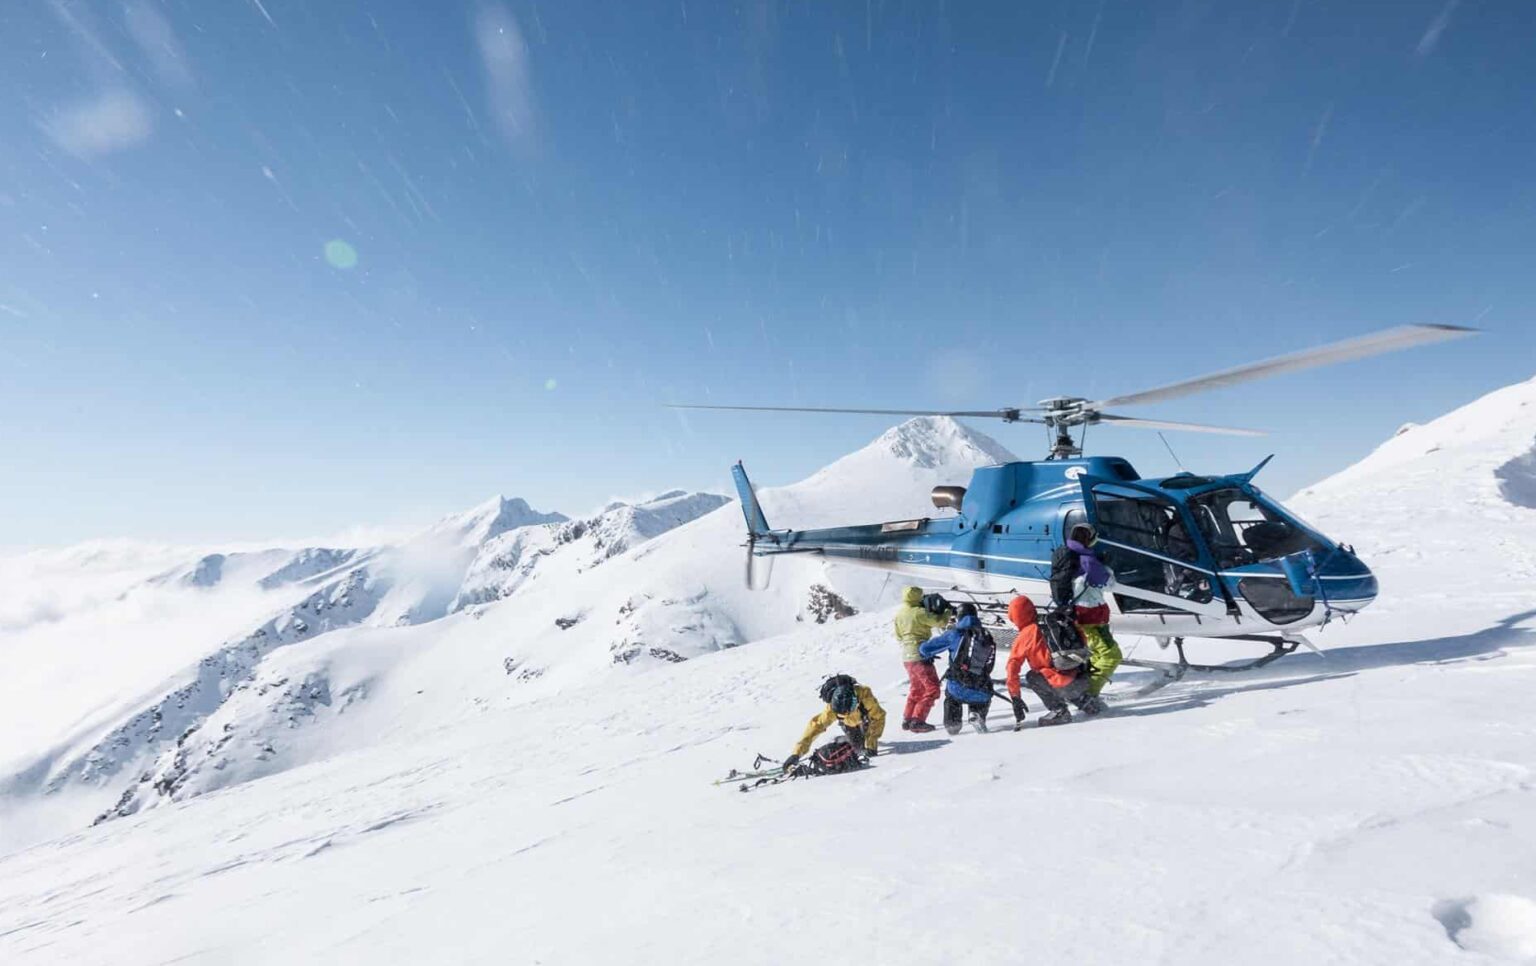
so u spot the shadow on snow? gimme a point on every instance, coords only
(1311, 668)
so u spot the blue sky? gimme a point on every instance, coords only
(564, 214)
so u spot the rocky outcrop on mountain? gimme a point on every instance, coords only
(507, 562)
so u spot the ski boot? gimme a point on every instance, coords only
(1058, 717)
(1091, 705)
(920, 727)
(979, 723)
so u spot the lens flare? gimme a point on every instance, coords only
(340, 254)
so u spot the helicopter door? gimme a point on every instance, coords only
(1145, 540)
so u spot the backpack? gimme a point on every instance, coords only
(838, 755)
(1069, 652)
(1064, 566)
(972, 667)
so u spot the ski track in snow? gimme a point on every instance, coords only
(1374, 803)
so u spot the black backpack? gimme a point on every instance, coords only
(1069, 651)
(838, 755)
(972, 667)
(1063, 573)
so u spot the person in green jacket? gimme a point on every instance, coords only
(916, 620)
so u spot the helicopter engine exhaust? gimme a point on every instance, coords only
(948, 497)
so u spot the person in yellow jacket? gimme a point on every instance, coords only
(851, 705)
(916, 620)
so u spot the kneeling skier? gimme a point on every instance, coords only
(1054, 684)
(851, 705)
(968, 682)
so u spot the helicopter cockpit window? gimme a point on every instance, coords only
(1143, 523)
(1143, 539)
(1241, 529)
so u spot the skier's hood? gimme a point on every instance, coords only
(912, 596)
(1021, 611)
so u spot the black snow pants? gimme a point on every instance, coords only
(1053, 698)
(952, 711)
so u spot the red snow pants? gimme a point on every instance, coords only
(923, 692)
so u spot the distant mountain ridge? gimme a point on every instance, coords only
(417, 581)
(536, 601)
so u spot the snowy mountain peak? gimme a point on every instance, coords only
(508, 562)
(934, 441)
(934, 448)
(490, 520)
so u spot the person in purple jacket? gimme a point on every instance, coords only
(1079, 587)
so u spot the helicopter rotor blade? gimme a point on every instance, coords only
(1007, 415)
(1387, 340)
(1168, 424)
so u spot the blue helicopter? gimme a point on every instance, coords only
(1193, 556)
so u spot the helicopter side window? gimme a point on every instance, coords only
(1241, 530)
(1144, 540)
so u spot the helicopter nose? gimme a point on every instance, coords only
(1345, 582)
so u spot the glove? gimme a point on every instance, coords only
(791, 762)
(1019, 710)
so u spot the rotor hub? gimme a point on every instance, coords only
(1063, 403)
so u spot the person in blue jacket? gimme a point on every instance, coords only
(968, 682)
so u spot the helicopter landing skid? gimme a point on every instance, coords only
(1171, 671)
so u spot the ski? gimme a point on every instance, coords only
(736, 776)
(777, 779)
(756, 771)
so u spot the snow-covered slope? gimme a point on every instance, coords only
(539, 603)
(203, 726)
(1374, 805)
(515, 789)
(143, 686)
(683, 595)
(1444, 509)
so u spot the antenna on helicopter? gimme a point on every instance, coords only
(1060, 414)
(1169, 447)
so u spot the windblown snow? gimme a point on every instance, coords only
(495, 742)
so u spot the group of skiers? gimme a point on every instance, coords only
(1065, 658)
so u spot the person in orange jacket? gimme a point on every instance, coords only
(1055, 686)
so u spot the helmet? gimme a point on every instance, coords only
(838, 692)
(1085, 534)
(844, 700)
(966, 609)
(935, 604)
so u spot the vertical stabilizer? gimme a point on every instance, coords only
(757, 524)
